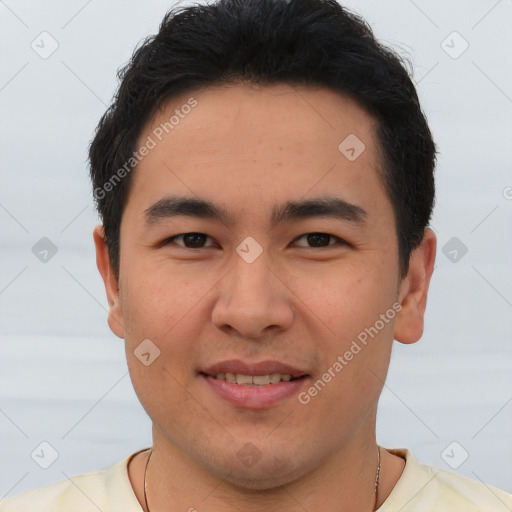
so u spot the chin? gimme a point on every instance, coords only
(269, 472)
(257, 480)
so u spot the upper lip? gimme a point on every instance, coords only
(258, 368)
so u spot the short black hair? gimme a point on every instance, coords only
(267, 42)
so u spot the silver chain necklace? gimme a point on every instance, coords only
(377, 477)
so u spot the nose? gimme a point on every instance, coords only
(253, 300)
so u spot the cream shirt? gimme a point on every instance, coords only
(421, 488)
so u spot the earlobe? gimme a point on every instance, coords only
(414, 290)
(115, 314)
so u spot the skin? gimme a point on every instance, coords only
(247, 148)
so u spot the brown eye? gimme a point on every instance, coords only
(318, 240)
(190, 240)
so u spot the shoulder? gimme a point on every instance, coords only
(88, 492)
(424, 487)
(82, 493)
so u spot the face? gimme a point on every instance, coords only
(250, 287)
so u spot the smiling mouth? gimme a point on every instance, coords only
(254, 380)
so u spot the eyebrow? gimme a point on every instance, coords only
(335, 207)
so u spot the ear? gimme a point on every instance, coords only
(115, 313)
(414, 289)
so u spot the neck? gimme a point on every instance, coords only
(347, 477)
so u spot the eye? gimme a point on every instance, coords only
(320, 240)
(197, 240)
(190, 240)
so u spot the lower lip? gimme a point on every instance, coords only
(254, 397)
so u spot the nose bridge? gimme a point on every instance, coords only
(250, 280)
(251, 296)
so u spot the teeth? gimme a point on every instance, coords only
(243, 379)
(256, 380)
(261, 379)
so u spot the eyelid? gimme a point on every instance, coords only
(337, 239)
(170, 240)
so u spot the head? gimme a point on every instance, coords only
(293, 145)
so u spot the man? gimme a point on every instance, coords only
(265, 181)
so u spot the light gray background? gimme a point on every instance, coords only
(63, 376)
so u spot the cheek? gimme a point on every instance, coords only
(346, 299)
(356, 348)
(164, 307)
(155, 300)
(350, 303)
(159, 341)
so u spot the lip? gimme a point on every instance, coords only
(254, 369)
(254, 397)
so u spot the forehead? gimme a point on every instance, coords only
(269, 141)
(292, 113)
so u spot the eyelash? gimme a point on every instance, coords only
(337, 239)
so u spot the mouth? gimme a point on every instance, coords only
(254, 386)
(254, 380)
